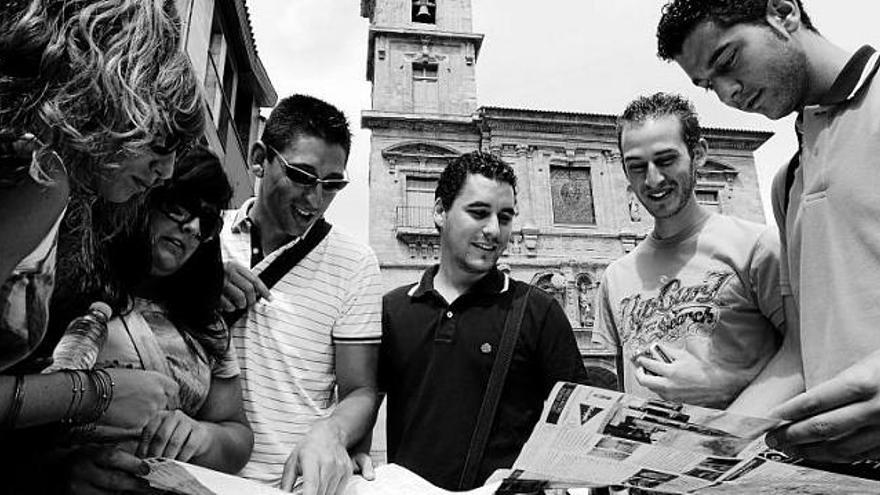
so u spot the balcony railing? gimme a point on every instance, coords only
(415, 217)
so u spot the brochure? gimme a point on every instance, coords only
(590, 437)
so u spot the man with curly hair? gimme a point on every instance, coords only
(695, 308)
(767, 57)
(441, 335)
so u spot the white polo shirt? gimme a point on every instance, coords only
(286, 347)
(831, 228)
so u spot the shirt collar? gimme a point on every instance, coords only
(855, 75)
(241, 221)
(494, 282)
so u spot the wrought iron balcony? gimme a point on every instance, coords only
(415, 217)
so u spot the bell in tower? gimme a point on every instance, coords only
(424, 11)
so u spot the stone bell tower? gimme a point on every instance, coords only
(421, 61)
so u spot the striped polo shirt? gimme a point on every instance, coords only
(286, 347)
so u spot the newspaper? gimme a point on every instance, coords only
(187, 479)
(594, 437)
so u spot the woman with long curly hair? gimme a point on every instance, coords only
(96, 97)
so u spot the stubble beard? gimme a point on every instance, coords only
(687, 195)
(793, 85)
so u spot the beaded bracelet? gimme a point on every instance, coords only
(104, 392)
(90, 419)
(103, 383)
(107, 395)
(74, 390)
(17, 401)
(76, 416)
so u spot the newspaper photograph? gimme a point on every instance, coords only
(595, 437)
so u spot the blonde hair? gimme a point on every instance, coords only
(96, 80)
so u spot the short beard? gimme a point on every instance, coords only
(687, 193)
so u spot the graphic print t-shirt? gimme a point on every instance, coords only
(712, 290)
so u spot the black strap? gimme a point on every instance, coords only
(497, 377)
(793, 165)
(286, 261)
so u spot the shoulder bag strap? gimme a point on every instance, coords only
(286, 261)
(497, 377)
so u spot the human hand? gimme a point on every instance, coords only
(174, 435)
(321, 460)
(241, 288)
(138, 395)
(98, 470)
(362, 463)
(835, 421)
(689, 379)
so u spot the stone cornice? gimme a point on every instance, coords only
(419, 34)
(422, 35)
(372, 119)
(499, 120)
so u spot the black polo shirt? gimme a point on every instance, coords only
(434, 366)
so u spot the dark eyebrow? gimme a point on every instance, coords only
(665, 153)
(717, 53)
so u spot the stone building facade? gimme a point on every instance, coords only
(576, 214)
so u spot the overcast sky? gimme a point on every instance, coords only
(589, 56)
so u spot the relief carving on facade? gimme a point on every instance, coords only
(530, 239)
(424, 247)
(515, 245)
(572, 193)
(585, 294)
(426, 155)
(634, 207)
(553, 284)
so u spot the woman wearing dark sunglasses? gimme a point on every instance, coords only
(173, 327)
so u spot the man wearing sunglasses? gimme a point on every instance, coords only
(319, 325)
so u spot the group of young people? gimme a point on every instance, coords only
(257, 341)
(778, 324)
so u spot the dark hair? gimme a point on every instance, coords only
(681, 17)
(661, 104)
(302, 115)
(123, 258)
(192, 293)
(476, 162)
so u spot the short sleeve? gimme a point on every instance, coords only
(604, 329)
(227, 366)
(764, 274)
(361, 316)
